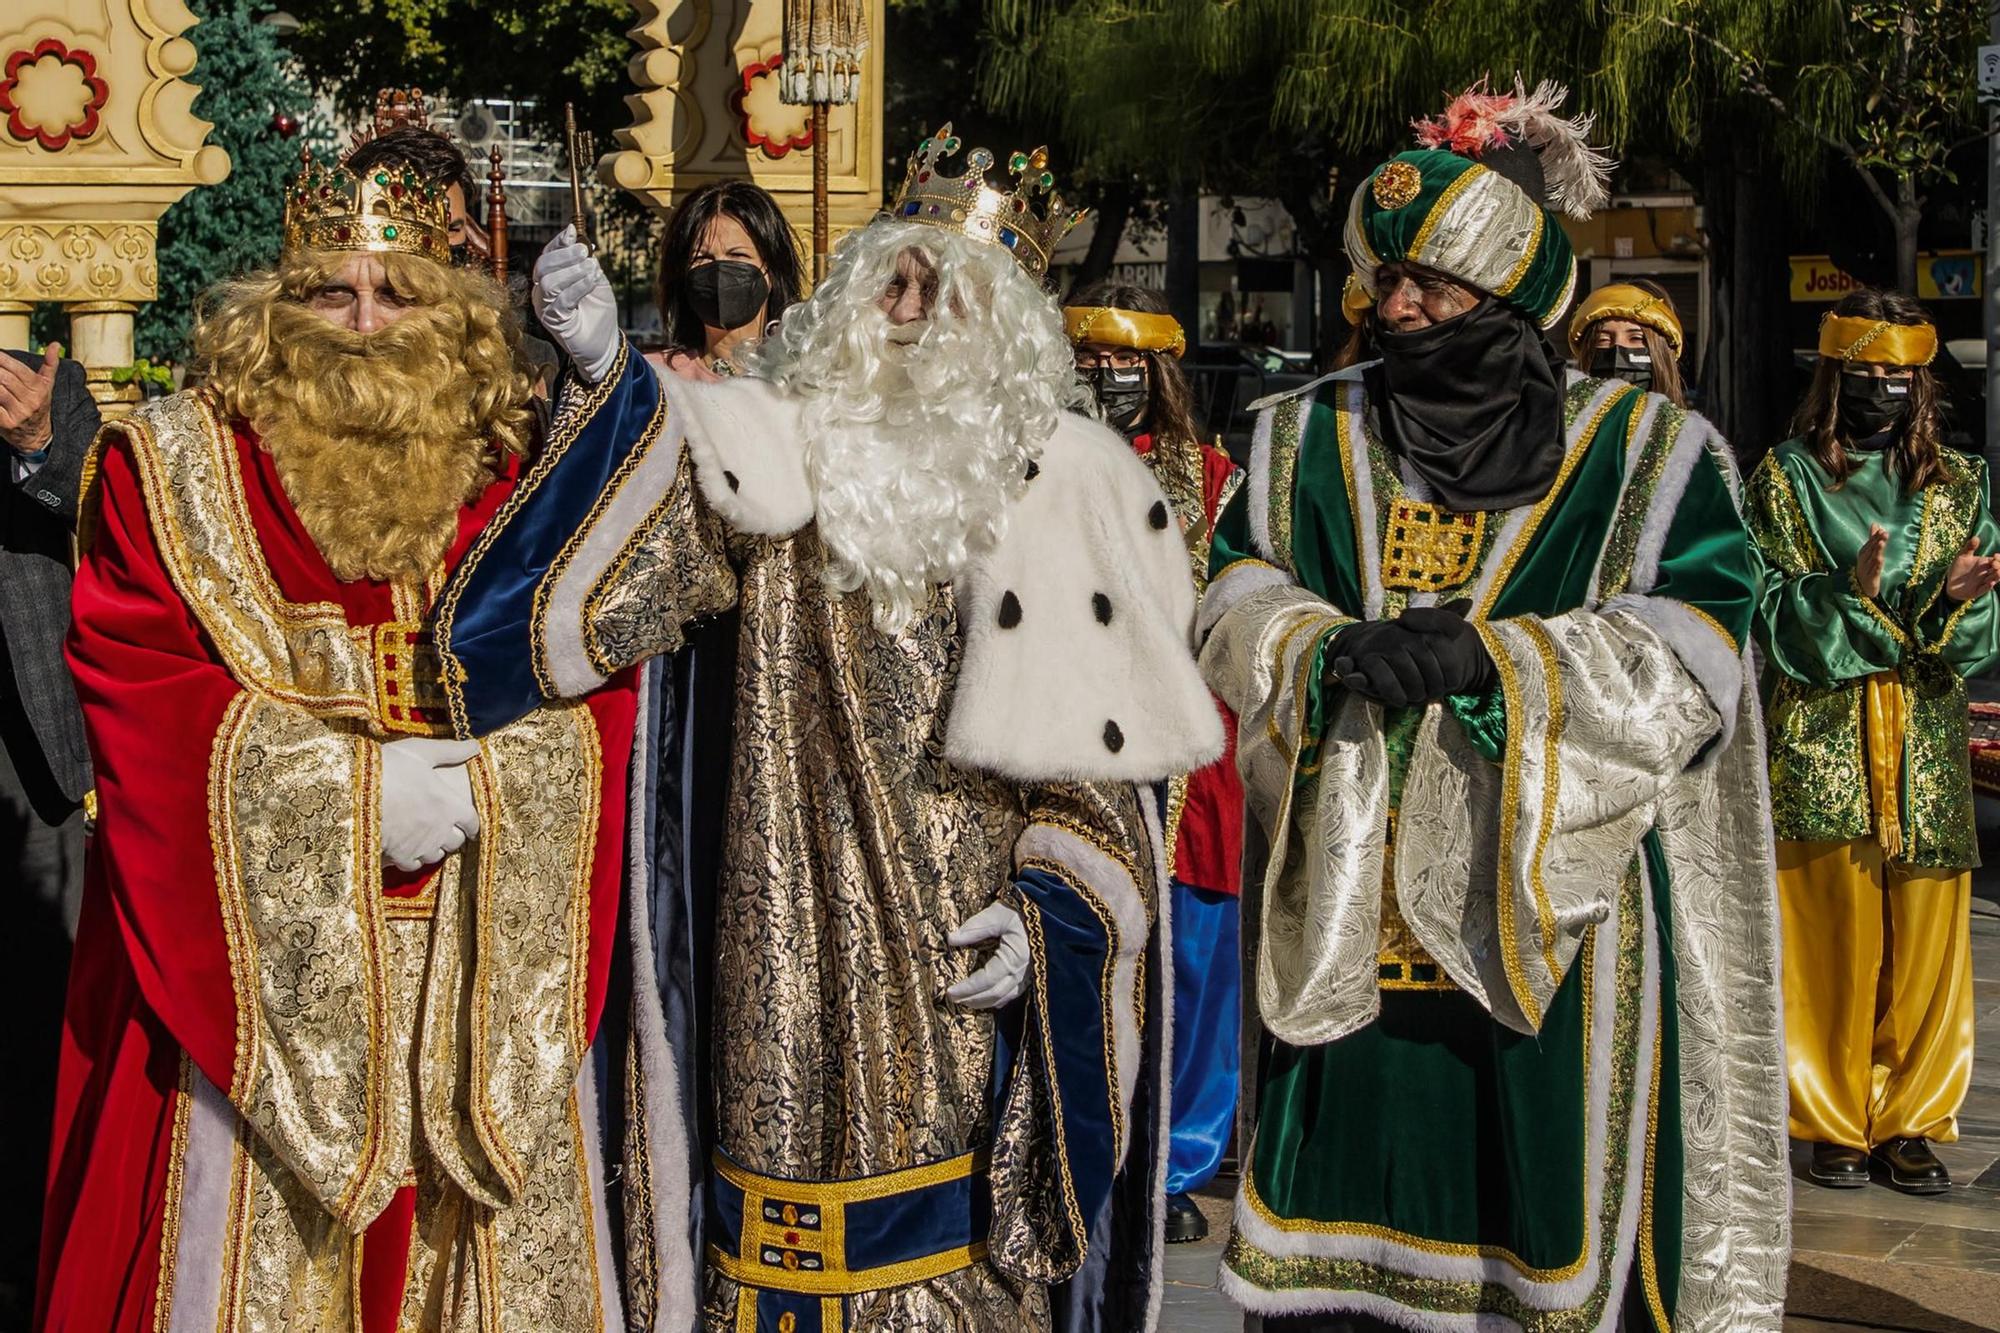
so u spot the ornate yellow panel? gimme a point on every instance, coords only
(707, 109)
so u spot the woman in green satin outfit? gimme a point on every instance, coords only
(1880, 555)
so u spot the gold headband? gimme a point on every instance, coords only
(1621, 300)
(1859, 338)
(1138, 329)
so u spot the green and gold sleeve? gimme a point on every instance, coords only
(1811, 620)
(1966, 635)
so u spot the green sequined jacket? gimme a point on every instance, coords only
(1822, 639)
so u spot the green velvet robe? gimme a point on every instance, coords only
(1822, 639)
(1511, 1068)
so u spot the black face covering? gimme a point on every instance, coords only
(728, 293)
(1634, 365)
(1475, 405)
(1123, 394)
(1871, 405)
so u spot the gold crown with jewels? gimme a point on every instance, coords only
(1028, 221)
(388, 208)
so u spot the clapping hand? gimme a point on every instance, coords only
(25, 396)
(1972, 574)
(1868, 565)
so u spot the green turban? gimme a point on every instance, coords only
(1449, 213)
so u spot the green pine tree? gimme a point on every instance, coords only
(218, 231)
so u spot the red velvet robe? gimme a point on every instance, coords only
(152, 972)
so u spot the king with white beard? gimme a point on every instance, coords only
(910, 1013)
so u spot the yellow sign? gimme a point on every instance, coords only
(1948, 275)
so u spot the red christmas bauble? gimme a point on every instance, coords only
(285, 124)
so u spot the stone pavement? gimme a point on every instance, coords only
(1862, 1259)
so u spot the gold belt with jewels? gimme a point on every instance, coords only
(847, 1237)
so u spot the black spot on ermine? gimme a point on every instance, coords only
(1010, 610)
(1157, 515)
(730, 477)
(1101, 604)
(1114, 739)
(1034, 470)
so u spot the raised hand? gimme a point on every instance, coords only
(1971, 574)
(573, 299)
(1868, 565)
(25, 397)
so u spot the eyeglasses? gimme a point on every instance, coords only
(1117, 358)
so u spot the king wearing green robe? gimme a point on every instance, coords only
(1483, 625)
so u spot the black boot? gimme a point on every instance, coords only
(1838, 1167)
(1911, 1166)
(1184, 1221)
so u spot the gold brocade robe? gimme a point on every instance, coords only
(881, 791)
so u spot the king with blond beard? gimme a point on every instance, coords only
(907, 900)
(328, 1057)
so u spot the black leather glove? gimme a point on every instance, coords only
(1422, 655)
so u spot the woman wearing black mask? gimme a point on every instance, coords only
(1881, 555)
(729, 266)
(1630, 331)
(1128, 349)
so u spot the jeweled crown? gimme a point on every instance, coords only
(1028, 221)
(388, 208)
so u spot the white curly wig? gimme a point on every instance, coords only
(918, 439)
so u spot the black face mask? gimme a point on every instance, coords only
(1475, 406)
(728, 293)
(1634, 365)
(1871, 405)
(1123, 393)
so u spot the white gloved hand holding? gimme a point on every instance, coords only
(1005, 974)
(427, 808)
(574, 302)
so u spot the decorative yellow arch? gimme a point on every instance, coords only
(97, 139)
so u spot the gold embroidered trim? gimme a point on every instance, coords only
(1587, 961)
(1510, 797)
(1951, 625)
(409, 700)
(1547, 502)
(1106, 998)
(808, 1217)
(546, 585)
(170, 1220)
(1428, 548)
(1649, 1263)
(1551, 790)
(1277, 738)
(1031, 918)
(1716, 625)
(242, 1213)
(367, 853)
(1527, 260)
(558, 444)
(600, 660)
(1445, 200)
(239, 939)
(1874, 608)
(588, 1211)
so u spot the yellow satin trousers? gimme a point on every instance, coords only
(1878, 994)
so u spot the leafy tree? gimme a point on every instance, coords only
(221, 230)
(551, 51)
(1884, 87)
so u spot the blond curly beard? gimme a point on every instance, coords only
(379, 439)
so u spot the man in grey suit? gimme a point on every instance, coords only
(47, 420)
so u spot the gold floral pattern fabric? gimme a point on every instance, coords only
(852, 848)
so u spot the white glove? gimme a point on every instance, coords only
(1005, 974)
(574, 302)
(427, 809)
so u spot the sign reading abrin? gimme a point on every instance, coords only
(1945, 275)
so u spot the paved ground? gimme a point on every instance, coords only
(1864, 1259)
